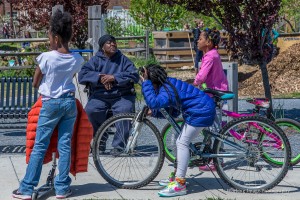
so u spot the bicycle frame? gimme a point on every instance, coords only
(192, 146)
(278, 143)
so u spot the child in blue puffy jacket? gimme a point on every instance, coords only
(198, 111)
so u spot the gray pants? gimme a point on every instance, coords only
(188, 133)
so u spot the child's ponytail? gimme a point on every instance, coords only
(214, 36)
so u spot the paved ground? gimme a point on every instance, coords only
(91, 185)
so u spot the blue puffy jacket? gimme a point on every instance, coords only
(198, 109)
(120, 66)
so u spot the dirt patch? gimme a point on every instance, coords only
(284, 75)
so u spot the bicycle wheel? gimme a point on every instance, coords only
(137, 167)
(170, 136)
(292, 130)
(242, 165)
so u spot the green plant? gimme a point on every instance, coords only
(17, 73)
(140, 62)
(134, 30)
(114, 26)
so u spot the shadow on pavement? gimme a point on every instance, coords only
(90, 188)
(154, 185)
(15, 133)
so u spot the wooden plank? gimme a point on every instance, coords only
(20, 53)
(180, 53)
(172, 34)
(287, 40)
(178, 65)
(171, 49)
(16, 68)
(132, 50)
(131, 38)
(24, 40)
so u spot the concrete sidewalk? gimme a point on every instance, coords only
(91, 185)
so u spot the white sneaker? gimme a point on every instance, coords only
(165, 182)
(173, 189)
(63, 196)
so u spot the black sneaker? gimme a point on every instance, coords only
(18, 195)
(116, 151)
(63, 196)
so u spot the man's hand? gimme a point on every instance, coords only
(144, 76)
(108, 86)
(107, 78)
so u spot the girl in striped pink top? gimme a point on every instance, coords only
(211, 71)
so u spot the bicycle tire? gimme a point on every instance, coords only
(169, 136)
(170, 148)
(252, 159)
(145, 177)
(290, 127)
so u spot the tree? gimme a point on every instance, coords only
(245, 21)
(155, 16)
(290, 11)
(37, 14)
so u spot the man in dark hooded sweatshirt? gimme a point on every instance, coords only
(110, 78)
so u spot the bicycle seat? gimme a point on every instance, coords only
(259, 102)
(223, 95)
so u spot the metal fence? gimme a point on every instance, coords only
(127, 25)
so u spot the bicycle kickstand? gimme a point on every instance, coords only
(49, 186)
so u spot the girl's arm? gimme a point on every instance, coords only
(203, 72)
(154, 100)
(37, 77)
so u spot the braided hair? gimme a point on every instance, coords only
(157, 75)
(213, 35)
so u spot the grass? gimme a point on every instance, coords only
(295, 95)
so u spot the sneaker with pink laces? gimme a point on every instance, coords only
(173, 189)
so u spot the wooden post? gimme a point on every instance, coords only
(94, 15)
(57, 7)
(147, 44)
(90, 28)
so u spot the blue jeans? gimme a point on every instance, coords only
(97, 108)
(59, 113)
(198, 58)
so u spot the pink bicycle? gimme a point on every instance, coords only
(290, 127)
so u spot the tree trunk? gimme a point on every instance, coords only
(267, 88)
